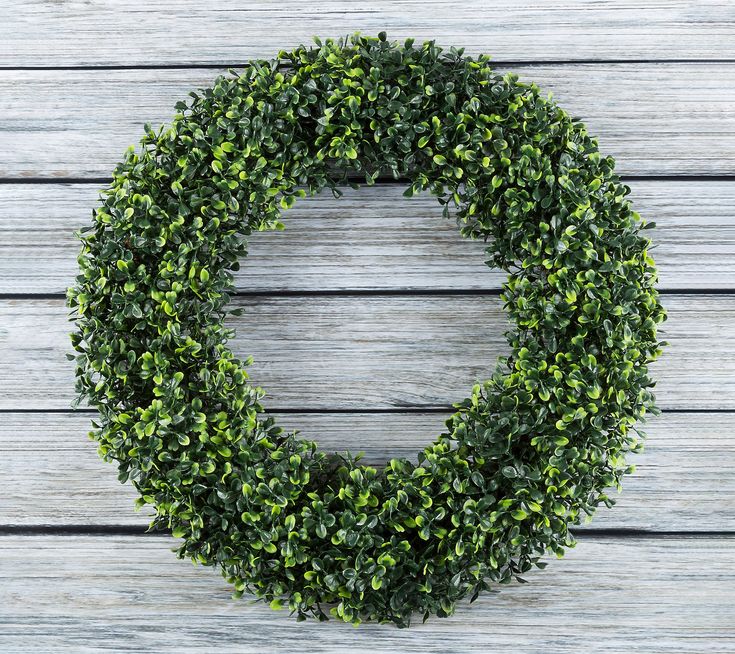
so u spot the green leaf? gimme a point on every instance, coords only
(510, 472)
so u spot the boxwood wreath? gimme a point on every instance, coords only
(531, 451)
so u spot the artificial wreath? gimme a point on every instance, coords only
(530, 452)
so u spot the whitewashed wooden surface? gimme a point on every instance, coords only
(655, 118)
(396, 314)
(374, 352)
(132, 33)
(372, 238)
(685, 479)
(610, 594)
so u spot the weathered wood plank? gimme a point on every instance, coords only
(373, 352)
(36, 33)
(654, 118)
(124, 593)
(685, 479)
(86, 593)
(369, 239)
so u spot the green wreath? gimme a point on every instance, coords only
(529, 453)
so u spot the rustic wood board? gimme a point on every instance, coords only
(656, 119)
(355, 352)
(655, 80)
(123, 593)
(372, 238)
(71, 33)
(685, 479)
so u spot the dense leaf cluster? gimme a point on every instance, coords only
(528, 454)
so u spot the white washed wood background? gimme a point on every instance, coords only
(395, 313)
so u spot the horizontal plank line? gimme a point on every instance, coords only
(493, 62)
(285, 410)
(695, 410)
(677, 178)
(359, 179)
(32, 296)
(377, 292)
(387, 410)
(21, 181)
(69, 411)
(78, 530)
(632, 532)
(341, 410)
(377, 412)
(358, 292)
(441, 292)
(695, 291)
(141, 530)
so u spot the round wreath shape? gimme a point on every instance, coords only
(531, 451)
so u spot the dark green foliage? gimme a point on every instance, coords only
(528, 454)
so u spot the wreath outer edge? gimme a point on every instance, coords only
(530, 452)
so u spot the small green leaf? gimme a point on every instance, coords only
(510, 472)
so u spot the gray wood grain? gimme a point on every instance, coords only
(655, 119)
(357, 352)
(685, 479)
(37, 33)
(369, 239)
(123, 593)
(77, 593)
